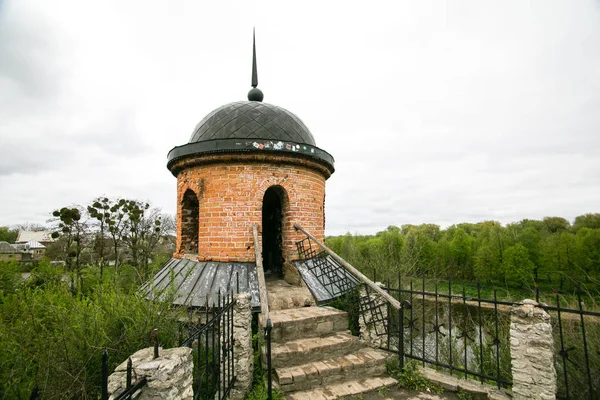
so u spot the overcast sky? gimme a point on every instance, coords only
(436, 112)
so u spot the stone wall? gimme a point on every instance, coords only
(230, 190)
(243, 353)
(532, 352)
(168, 377)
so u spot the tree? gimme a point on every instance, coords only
(517, 266)
(588, 251)
(71, 229)
(31, 226)
(99, 210)
(419, 252)
(116, 222)
(144, 229)
(556, 224)
(461, 249)
(8, 235)
(590, 220)
(486, 264)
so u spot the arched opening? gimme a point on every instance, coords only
(272, 230)
(189, 222)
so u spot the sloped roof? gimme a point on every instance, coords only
(5, 247)
(34, 236)
(198, 283)
(33, 244)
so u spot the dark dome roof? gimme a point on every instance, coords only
(252, 120)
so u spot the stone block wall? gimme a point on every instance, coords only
(230, 190)
(532, 352)
(243, 352)
(169, 377)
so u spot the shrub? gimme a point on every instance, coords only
(53, 339)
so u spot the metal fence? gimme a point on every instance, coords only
(211, 338)
(131, 387)
(469, 334)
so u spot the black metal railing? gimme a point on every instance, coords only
(469, 335)
(267, 325)
(340, 278)
(131, 387)
(213, 342)
(577, 338)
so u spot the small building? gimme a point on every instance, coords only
(33, 248)
(246, 162)
(9, 253)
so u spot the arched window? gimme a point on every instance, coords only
(189, 222)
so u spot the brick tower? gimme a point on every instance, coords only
(246, 163)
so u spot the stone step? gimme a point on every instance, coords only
(348, 388)
(366, 362)
(298, 323)
(306, 350)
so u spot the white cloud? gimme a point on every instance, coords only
(435, 112)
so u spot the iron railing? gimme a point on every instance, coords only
(213, 342)
(340, 274)
(130, 388)
(470, 334)
(267, 325)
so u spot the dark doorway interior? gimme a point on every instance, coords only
(189, 222)
(272, 238)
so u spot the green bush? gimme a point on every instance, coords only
(10, 277)
(53, 339)
(410, 377)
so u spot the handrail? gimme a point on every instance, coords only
(264, 307)
(262, 286)
(395, 303)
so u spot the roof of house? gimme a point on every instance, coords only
(32, 244)
(29, 245)
(34, 236)
(5, 247)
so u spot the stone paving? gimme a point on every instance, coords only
(313, 353)
(283, 295)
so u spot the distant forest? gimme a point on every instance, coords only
(517, 254)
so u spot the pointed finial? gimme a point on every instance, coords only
(254, 72)
(254, 94)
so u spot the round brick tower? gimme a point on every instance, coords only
(246, 163)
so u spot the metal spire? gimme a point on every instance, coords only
(254, 94)
(254, 72)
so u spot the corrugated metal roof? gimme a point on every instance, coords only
(325, 278)
(196, 283)
(33, 244)
(37, 236)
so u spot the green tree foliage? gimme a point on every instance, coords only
(99, 211)
(591, 221)
(54, 339)
(8, 235)
(131, 228)
(71, 229)
(547, 250)
(516, 265)
(143, 233)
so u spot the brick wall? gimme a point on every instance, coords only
(230, 190)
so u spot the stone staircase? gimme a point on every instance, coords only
(315, 357)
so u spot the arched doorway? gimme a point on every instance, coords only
(272, 230)
(189, 222)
